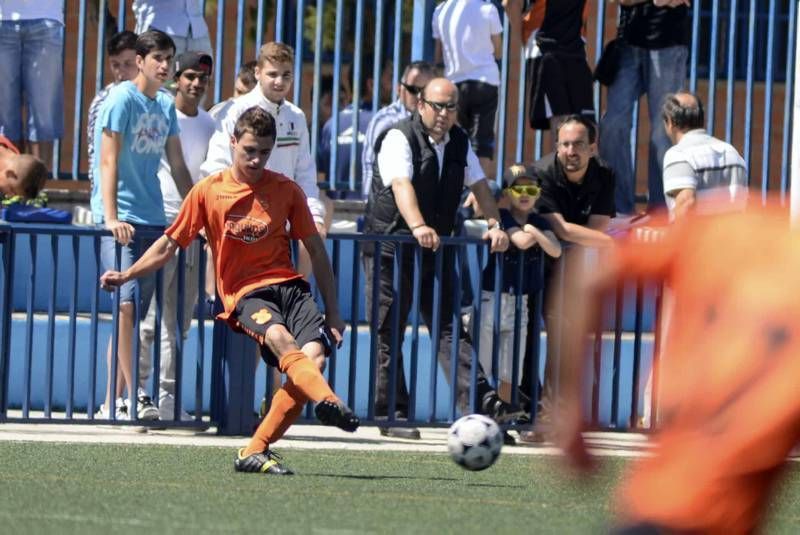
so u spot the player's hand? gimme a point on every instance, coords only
(335, 327)
(112, 279)
(498, 240)
(123, 232)
(426, 237)
(321, 230)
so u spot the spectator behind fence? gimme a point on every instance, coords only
(347, 134)
(292, 154)
(422, 165)
(527, 231)
(136, 124)
(261, 293)
(560, 81)
(653, 49)
(183, 20)
(699, 168)
(22, 176)
(577, 199)
(467, 34)
(121, 52)
(415, 76)
(244, 83)
(192, 72)
(31, 50)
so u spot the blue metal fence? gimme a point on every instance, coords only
(53, 368)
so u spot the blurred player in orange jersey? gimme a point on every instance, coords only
(729, 408)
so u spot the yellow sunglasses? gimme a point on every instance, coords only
(519, 191)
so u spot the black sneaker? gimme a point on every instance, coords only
(265, 463)
(337, 414)
(500, 411)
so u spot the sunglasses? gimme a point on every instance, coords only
(438, 107)
(414, 90)
(519, 191)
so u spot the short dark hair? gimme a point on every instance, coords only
(32, 174)
(121, 41)
(424, 67)
(247, 74)
(153, 40)
(683, 117)
(588, 123)
(366, 74)
(256, 121)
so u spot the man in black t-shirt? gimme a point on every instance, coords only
(655, 35)
(559, 78)
(577, 188)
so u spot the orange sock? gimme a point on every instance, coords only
(287, 404)
(306, 376)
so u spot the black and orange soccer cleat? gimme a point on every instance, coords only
(337, 414)
(266, 462)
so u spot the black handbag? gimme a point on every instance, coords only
(608, 65)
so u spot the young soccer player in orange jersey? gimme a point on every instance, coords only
(729, 410)
(244, 211)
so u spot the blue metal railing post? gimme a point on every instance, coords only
(8, 240)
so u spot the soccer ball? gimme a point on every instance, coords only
(474, 442)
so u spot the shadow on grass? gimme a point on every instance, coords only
(390, 477)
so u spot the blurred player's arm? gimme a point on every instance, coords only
(153, 259)
(591, 235)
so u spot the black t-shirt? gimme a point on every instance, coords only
(531, 260)
(648, 26)
(562, 25)
(575, 202)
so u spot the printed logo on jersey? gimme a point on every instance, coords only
(149, 134)
(245, 229)
(261, 317)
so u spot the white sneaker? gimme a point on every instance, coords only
(166, 409)
(145, 410)
(121, 411)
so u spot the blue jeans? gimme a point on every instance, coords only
(657, 73)
(31, 66)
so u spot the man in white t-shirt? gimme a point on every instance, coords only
(183, 20)
(192, 73)
(467, 34)
(701, 172)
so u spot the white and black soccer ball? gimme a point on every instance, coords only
(474, 442)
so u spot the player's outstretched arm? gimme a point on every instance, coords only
(153, 259)
(327, 287)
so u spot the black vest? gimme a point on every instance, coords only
(438, 198)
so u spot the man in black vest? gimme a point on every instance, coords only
(422, 166)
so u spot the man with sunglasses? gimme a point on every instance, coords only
(415, 76)
(422, 166)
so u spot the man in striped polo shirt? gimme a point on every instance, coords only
(698, 168)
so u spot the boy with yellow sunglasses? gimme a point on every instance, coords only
(527, 231)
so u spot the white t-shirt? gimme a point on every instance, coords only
(174, 17)
(394, 159)
(195, 133)
(465, 28)
(28, 10)
(711, 167)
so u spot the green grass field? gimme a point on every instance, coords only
(78, 488)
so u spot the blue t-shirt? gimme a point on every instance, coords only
(346, 135)
(532, 280)
(145, 124)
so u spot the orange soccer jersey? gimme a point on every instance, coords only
(729, 404)
(246, 226)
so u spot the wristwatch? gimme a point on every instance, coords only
(497, 225)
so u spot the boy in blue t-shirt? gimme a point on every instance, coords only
(526, 230)
(136, 125)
